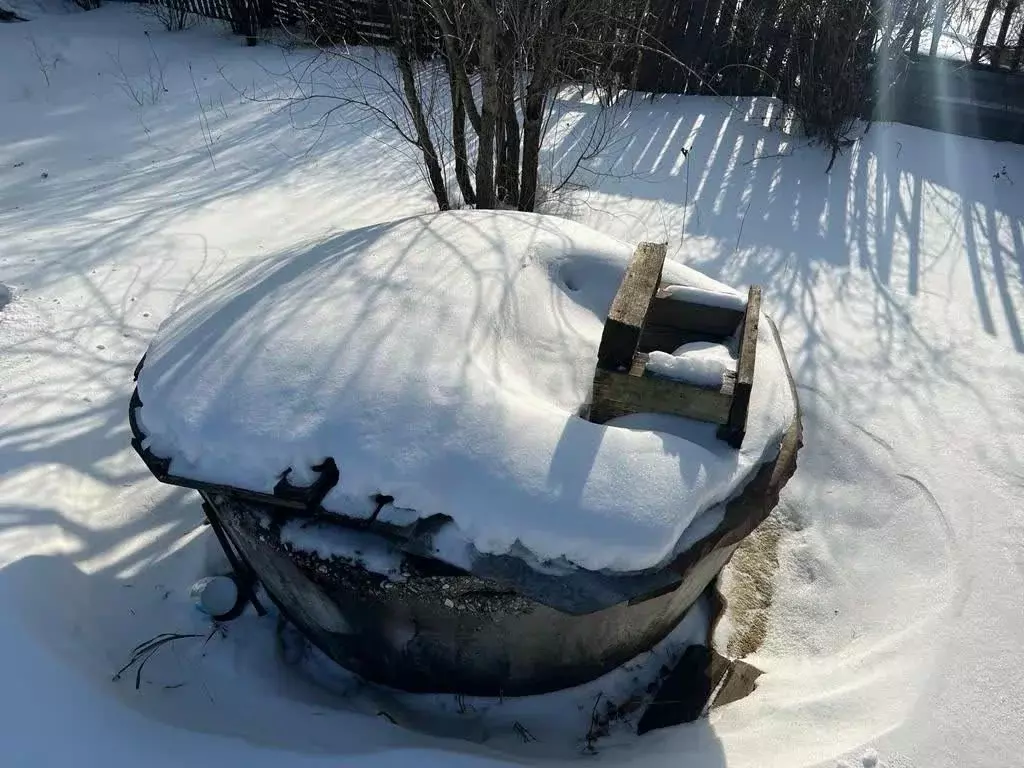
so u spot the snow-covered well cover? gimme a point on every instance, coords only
(443, 360)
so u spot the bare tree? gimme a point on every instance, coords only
(469, 84)
(174, 16)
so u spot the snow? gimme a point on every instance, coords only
(332, 541)
(711, 296)
(559, 721)
(704, 363)
(443, 360)
(215, 595)
(896, 280)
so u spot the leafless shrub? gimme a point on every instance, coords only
(204, 120)
(143, 652)
(144, 89)
(46, 60)
(172, 16)
(827, 78)
(469, 86)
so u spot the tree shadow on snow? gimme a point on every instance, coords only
(759, 191)
(748, 203)
(85, 621)
(122, 579)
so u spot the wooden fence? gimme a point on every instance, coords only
(730, 46)
(691, 46)
(363, 22)
(980, 93)
(750, 47)
(747, 47)
(949, 96)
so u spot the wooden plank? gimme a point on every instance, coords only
(761, 81)
(781, 45)
(691, 316)
(704, 81)
(749, 20)
(720, 51)
(736, 427)
(673, 322)
(628, 313)
(698, 10)
(618, 393)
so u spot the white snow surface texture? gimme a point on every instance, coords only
(700, 362)
(442, 360)
(897, 281)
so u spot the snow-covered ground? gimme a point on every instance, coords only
(132, 175)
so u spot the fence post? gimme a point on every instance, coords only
(245, 19)
(266, 13)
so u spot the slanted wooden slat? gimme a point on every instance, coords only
(626, 318)
(618, 393)
(736, 427)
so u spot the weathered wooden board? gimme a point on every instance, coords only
(672, 323)
(689, 315)
(736, 427)
(628, 314)
(617, 393)
(644, 317)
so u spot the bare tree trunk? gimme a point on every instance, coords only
(507, 173)
(1001, 55)
(533, 124)
(459, 139)
(533, 106)
(510, 155)
(419, 121)
(454, 52)
(485, 192)
(979, 40)
(500, 169)
(938, 22)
